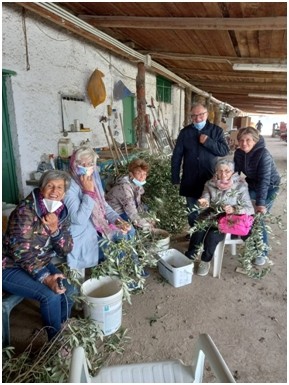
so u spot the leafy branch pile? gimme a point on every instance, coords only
(51, 363)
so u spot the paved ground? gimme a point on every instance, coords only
(246, 318)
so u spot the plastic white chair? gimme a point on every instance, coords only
(219, 253)
(173, 371)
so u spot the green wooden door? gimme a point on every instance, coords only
(128, 119)
(9, 180)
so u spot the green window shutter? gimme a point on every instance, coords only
(164, 90)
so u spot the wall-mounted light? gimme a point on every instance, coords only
(268, 96)
(260, 67)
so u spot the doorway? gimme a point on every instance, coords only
(9, 179)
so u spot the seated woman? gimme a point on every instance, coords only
(91, 216)
(125, 196)
(226, 192)
(37, 231)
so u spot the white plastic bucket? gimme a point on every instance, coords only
(104, 303)
(164, 242)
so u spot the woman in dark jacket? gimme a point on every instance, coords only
(255, 161)
(37, 231)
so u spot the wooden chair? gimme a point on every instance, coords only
(173, 371)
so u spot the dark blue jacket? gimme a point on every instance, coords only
(197, 160)
(259, 168)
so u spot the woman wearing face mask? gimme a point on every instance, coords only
(37, 231)
(225, 192)
(91, 216)
(125, 196)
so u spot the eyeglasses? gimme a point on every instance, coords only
(201, 115)
(85, 164)
(226, 172)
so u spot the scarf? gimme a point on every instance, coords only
(222, 184)
(98, 216)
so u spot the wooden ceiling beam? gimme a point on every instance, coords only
(189, 23)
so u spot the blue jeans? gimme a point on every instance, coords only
(191, 202)
(54, 308)
(271, 196)
(118, 236)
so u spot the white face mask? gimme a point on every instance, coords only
(138, 182)
(52, 205)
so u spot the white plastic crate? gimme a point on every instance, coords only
(175, 267)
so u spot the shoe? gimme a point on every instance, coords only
(188, 255)
(203, 268)
(144, 274)
(259, 261)
(132, 286)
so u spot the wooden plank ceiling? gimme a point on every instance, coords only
(200, 42)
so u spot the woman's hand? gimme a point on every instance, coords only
(261, 209)
(122, 225)
(203, 203)
(229, 209)
(51, 282)
(87, 182)
(50, 220)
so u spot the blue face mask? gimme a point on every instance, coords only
(138, 183)
(200, 125)
(85, 170)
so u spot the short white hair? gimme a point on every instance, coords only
(227, 162)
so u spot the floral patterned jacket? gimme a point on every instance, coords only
(125, 197)
(27, 243)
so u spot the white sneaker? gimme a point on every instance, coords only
(203, 268)
(259, 261)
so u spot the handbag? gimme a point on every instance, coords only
(235, 224)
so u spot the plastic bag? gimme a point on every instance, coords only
(96, 88)
(235, 224)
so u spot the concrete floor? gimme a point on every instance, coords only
(246, 318)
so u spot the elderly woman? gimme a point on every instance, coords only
(226, 192)
(38, 231)
(125, 196)
(91, 217)
(255, 161)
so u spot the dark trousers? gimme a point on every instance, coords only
(210, 238)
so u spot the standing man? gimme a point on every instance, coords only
(197, 149)
(259, 125)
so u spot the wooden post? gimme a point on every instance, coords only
(188, 104)
(141, 106)
(218, 115)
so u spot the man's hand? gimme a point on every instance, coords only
(203, 138)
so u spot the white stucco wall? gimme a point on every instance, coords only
(60, 63)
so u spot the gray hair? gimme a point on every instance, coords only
(226, 162)
(199, 104)
(85, 152)
(49, 175)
